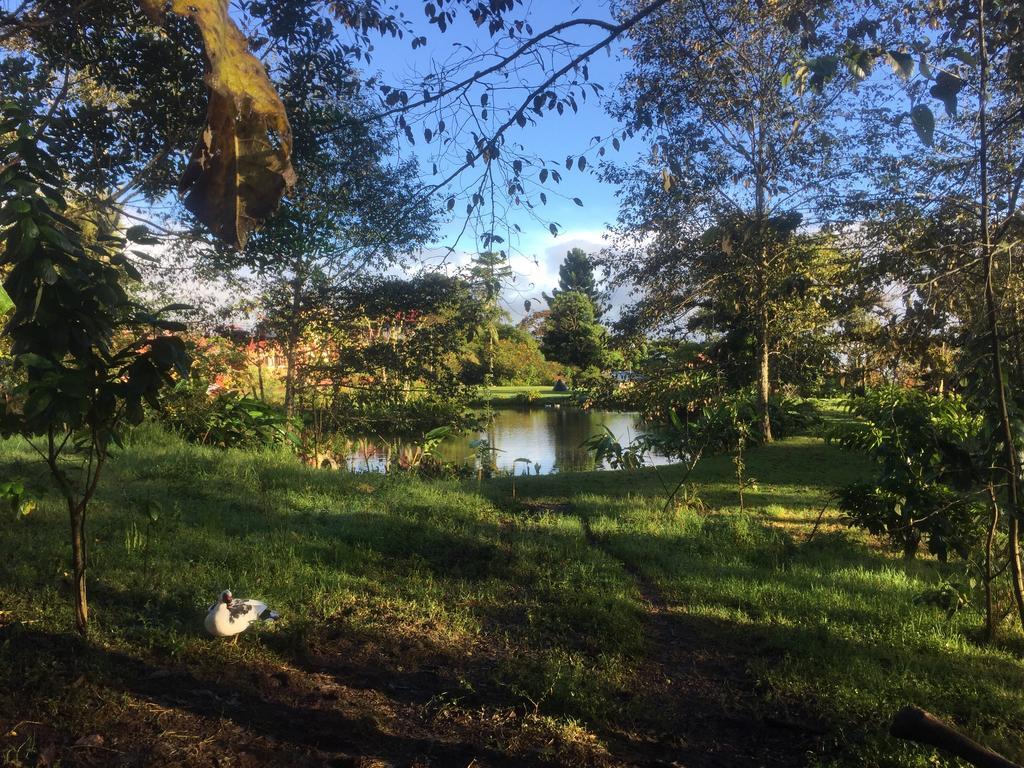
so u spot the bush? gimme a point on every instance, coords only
(226, 420)
(922, 445)
(377, 411)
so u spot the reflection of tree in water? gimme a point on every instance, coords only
(551, 437)
(569, 428)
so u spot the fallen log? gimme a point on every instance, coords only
(914, 724)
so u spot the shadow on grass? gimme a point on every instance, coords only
(244, 711)
(838, 625)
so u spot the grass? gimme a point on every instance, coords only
(839, 623)
(420, 614)
(522, 394)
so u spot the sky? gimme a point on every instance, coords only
(535, 253)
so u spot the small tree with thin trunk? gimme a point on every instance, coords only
(86, 357)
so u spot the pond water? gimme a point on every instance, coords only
(550, 437)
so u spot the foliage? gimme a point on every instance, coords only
(713, 227)
(576, 273)
(241, 165)
(353, 212)
(387, 359)
(89, 358)
(922, 446)
(484, 456)
(572, 335)
(681, 383)
(12, 494)
(226, 419)
(515, 357)
(608, 450)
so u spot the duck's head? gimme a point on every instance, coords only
(226, 596)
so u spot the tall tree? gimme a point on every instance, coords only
(739, 160)
(576, 273)
(352, 209)
(488, 272)
(572, 335)
(948, 219)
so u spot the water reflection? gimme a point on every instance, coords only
(548, 438)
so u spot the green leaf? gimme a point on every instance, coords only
(902, 63)
(6, 305)
(964, 56)
(822, 70)
(924, 123)
(32, 360)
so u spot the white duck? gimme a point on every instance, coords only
(230, 616)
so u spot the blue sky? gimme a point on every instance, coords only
(535, 253)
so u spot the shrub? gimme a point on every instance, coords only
(922, 446)
(226, 420)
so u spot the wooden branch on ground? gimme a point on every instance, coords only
(914, 724)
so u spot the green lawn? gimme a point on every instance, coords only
(512, 395)
(449, 620)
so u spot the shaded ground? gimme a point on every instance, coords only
(352, 701)
(324, 712)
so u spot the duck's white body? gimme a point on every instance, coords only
(230, 616)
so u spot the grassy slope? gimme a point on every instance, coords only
(389, 573)
(836, 623)
(395, 575)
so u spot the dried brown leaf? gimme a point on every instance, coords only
(240, 167)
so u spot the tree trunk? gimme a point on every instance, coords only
(292, 344)
(764, 384)
(78, 563)
(1015, 566)
(998, 411)
(289, 380)
(915, 724)
(910, 547)
(993, 525)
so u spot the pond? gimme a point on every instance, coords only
(549, 437)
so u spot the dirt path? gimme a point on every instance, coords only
(697, 679)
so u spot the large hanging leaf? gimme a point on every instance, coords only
(241, 166)
(924, 123)
(947, 86)
(902, 63)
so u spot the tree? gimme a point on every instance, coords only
(351, 211)
(949, 216)
(114, 51)
(572, 335)
(739, 160)
(576, 273)
(387, 356)
(87, 358)
(488, 272)
(515, 358)
(91, 57)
